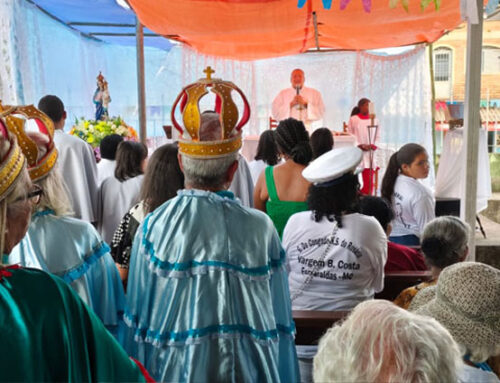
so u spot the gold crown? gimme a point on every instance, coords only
(189, 97)
(37, 168)
(11, 165)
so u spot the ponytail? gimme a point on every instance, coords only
(355, 111)
(390, 176)
(404, 156)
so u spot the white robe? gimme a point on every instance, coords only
(105, 169)
(358, 127)
(115, 200)
(242, 185)
(77, 165)
(313, 113)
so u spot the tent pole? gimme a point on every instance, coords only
(141, 86)
(433, 105)
(472, 124)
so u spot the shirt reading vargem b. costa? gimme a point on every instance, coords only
(352, 270)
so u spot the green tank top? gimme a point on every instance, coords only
(280, 211)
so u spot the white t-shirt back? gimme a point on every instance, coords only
(353, 269)
(413, 205)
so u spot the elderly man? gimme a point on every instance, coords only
(208, 293)
(302, 103)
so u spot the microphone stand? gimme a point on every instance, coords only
(371, 142)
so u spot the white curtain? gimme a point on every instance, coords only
(8, 91)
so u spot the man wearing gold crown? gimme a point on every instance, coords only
(208, 294)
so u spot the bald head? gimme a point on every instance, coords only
(297, 78)
(210, 127)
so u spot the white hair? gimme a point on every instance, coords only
(8, 208)
(55, 193)
(208, 173)
(382, 342)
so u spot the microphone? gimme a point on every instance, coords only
(297, 89)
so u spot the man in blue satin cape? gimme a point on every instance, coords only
(208, 296)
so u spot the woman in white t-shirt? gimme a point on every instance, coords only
(119, 193)
(413, 202)
(336, 256)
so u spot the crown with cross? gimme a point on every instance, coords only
(189, 98)
(37, 167)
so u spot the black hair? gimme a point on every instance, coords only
(163, 177)
(405, 155)
(52, 106)
(321, 142)
(377, 207)
(293, 140)
(357, 108)
(109, 145)
(334, 201)
(129, 157)
(267, 150)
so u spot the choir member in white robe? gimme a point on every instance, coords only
(106, 167)
(242, 185)
(76, 162)
(299, 102)
(119, 193)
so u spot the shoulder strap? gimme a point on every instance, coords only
(271, 187)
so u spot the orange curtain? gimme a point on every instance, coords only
(255, 29)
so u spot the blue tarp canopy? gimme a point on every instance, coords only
(103, 20)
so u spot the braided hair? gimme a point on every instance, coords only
(292, 139)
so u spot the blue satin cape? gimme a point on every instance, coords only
(73, 250)
(208, 294)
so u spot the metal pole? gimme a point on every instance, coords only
(472, 124)
(141, 85)
(433, 105)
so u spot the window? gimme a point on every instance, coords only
(490, 60)
(442, 64)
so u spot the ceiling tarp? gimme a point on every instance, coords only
(104, 20)
(255, 29)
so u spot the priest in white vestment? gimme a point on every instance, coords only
(299, 102)
(76, 162)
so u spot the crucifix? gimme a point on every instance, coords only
(209, 72)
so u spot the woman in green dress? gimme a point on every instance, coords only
(48, 333)
(281, 190)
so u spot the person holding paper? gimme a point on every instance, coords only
(299, 102)
(364, 126)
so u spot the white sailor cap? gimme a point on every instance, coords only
(329, 168)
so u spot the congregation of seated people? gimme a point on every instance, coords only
(156, 267)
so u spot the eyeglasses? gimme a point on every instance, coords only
(34, 195)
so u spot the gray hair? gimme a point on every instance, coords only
(382, 342)
(55, 194)
(444, 241)
(201, 173)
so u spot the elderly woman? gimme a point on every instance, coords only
(49, 334)
(67, 247)
(162, 180)
(336, 256)
(379, 342)
(444, 242)
(281, 190)
(466, 301)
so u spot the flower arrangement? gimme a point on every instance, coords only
(93, 132)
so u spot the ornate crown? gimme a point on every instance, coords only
(37, 168)
(230, 141)
(11, 165)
